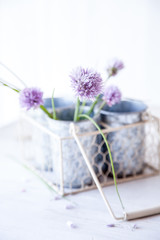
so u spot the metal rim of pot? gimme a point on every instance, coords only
(141, 107)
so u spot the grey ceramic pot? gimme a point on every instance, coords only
(127, 145)
(75, 171)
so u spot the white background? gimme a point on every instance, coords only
(43, 40)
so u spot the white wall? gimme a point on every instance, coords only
(42, 40)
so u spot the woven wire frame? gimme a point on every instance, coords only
(59, 162)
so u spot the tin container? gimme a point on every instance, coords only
(127, 144)
(69, 158)
(42, 141)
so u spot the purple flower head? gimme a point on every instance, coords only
(31, 98)
(112, 95)
(86, 83)
(115, 67)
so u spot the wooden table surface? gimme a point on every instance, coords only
(30, 211)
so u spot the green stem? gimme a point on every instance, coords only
(93, 105)
(6, 85)
(15, 75)
(76, 110)
(102, 105)
(82, 107)
(46, 111)
(109, 151)
(53, 106)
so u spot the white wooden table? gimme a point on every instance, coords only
(29, 211)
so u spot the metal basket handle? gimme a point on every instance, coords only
(126, 215)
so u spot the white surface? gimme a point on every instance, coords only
(43, 40)
(28, 210)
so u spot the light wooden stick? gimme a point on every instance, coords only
(142, 213)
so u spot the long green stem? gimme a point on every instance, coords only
(76, 110)
(82, 107)
(102, 105)
(93, 105)
(15, 75)
(53, 106)
(13, 88)
(109, 151)
(46, 111)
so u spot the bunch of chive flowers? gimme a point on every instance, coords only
(88, 86)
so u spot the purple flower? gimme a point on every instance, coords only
(86, 83)
(31, 98)
(114, 67)
(112, 95)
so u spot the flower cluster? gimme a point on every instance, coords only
(86, 83)
(114, 68)
(112, 95)
(31, 98)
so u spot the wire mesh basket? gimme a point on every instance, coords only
(58, 159)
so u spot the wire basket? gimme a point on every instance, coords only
(59, 161)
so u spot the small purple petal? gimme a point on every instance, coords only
(111, 225)
(134, 227)
(31, 98)
(86, 83)
(112, 95)
(71, 224)
(57, 197)
(69, 207)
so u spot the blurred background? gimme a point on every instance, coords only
(43, 40)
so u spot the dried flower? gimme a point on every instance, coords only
(115, 67)
(112, 95)
(86, 83)
(31, 98)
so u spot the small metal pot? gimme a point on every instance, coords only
(42, 141)
(128, 144)
(58, 102)
(75, 171)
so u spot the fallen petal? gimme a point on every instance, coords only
(111, 225)
(71, 224)
(69, 207)
(134, 227)
(57, 197)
